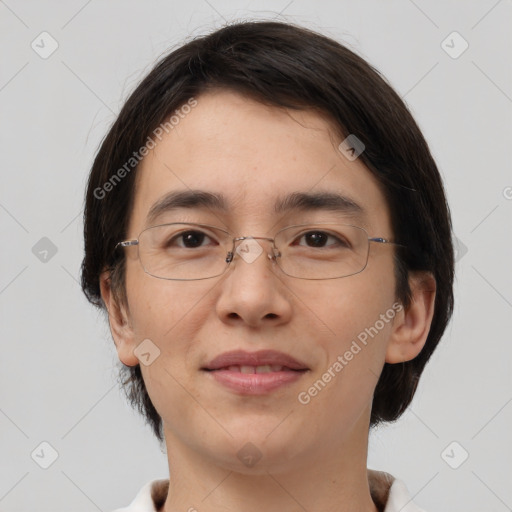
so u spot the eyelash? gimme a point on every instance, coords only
(298, 237)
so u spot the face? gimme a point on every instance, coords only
(304, 405)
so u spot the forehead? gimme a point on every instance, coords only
(255, 158)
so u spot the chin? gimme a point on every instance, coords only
(260, 449)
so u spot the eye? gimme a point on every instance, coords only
(191, 239)
(319, 239)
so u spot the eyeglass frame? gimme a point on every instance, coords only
(276, 252)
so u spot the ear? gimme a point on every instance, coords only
(412, 325)
(119, 321)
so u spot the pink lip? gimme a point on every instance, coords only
(221, 369)
(260, 358)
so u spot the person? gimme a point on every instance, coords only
(268, 231)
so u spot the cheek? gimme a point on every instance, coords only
(164, 310)
(172, 314)
(345, 307)
(358, 314)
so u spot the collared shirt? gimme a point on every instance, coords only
(388, 493)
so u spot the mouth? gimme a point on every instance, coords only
(255, 373)
(264, 368)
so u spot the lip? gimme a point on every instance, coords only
(223, 369)
(259, 358)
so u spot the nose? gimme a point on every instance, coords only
(253, 291)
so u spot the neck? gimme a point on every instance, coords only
(332, 479)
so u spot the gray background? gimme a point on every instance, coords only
(58, 371)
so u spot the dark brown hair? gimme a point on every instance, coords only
(285, 66)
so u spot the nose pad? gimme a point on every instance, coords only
(276, 254)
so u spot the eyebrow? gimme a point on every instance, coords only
(298, 201)
(307, 201)
(187, 199)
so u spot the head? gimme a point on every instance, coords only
(256, 112)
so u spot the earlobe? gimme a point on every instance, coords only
(412, 325)
(119, 322)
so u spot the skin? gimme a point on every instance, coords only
(313, 456)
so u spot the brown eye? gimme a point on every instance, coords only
(192, 239)
(319, 239)
(316, 239)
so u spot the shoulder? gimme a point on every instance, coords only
(150, 498)
(389, 493)
(399, 499)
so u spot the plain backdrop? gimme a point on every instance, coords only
(58, 367)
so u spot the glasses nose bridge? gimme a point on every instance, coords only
(274, 252)
(250, 237)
